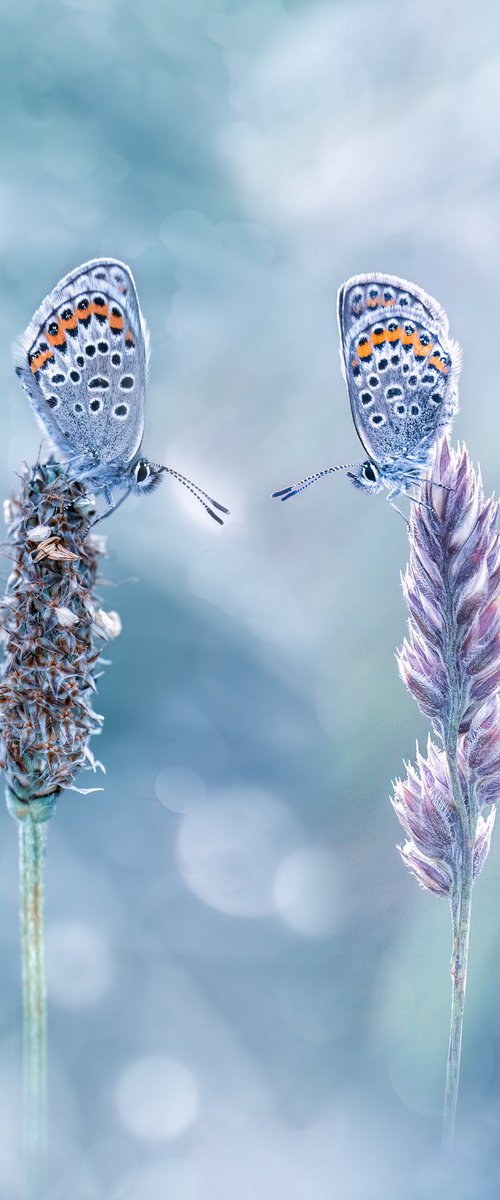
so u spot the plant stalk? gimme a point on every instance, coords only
(460, 912)
(32, 841)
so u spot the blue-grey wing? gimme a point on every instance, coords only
(400, 364)
(83, 360)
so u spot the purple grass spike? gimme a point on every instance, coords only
(450, 662)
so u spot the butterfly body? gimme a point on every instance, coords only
(401, 369)
(83, 363)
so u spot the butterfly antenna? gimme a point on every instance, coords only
(199, 495)
(294, 488)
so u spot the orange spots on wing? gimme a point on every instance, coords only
(70, 322)
(59, 338)
(379, 302)
(422, 350)
(39, 359)
(129, 338)
(101, 310)
(116, 322)
(369, 343)
(438, 363)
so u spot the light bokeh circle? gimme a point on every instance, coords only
(79, 964)
(157, 1097)
(306, 891)
(229, 850)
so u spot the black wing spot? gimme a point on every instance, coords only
(116, 359)
(59, 378)
(103, 347)
(377, 419)
(95, 405)
(78, 407)
(120, 410)
(373, 381)
(80, 360)
(53, 401)
(127, 382)
(90, 350)
(382, 364)
(99, 381)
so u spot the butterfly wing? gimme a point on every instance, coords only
(400, 365)
(83, 360)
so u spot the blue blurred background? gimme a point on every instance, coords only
(248, 993)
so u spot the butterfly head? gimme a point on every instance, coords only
(144, 476)
(367, 477)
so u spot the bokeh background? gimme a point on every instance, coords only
(248, 993)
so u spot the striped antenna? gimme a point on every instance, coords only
(294, 488)
(198, 494)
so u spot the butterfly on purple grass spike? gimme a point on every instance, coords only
(401, 369)
(83, 363)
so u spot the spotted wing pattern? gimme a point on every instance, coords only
(82, 361)
(400, 366)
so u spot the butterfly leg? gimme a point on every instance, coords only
(112, 506)
(394, 491)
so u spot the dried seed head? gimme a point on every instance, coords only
(51, 641)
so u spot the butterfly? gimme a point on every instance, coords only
(83, 362)
(401, 368)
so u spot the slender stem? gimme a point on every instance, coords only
(460, 911)
(32, 839)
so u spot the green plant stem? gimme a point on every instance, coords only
(460, 911)
(32, 840)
